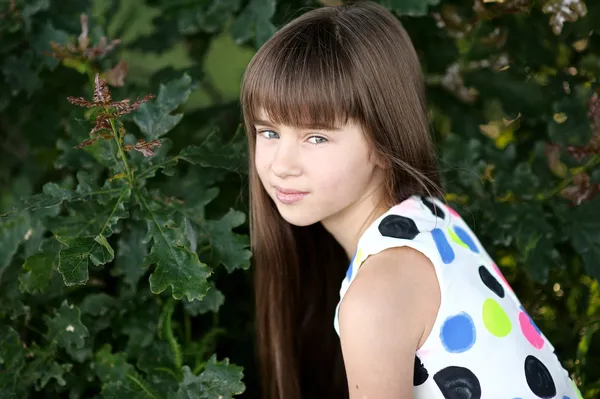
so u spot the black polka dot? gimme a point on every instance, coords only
(421, 373)
(538, 378)
(490, 281)
(397, 226)
(436, 210)
(458, 383)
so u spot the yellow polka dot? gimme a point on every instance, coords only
(456, 238)
(495, 319)
(577, 392)
(358, 260)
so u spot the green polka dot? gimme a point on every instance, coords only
(456, 238)
(495, 319)
(576, 390)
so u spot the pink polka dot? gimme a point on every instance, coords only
(530, 332)
(501, 275)
(453, 212)
(423, 352)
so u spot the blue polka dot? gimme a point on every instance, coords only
(443, 246)
(464, 236)
(566, 397)
(458, 333)
(349, 271)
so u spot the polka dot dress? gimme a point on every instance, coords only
(483, 343)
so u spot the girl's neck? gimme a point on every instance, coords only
(348, 225)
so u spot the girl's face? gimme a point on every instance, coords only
(314, 175)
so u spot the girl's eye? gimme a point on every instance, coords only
(268, 134)
(317, 140)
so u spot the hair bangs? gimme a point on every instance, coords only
(300, 80)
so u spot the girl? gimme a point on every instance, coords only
(343, 167)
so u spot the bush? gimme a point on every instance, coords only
(124, 254)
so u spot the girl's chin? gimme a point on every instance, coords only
(297, 216)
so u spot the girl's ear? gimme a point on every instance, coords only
(380, 161)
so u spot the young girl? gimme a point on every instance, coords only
(344, 190)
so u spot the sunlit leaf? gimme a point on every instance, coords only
(176, 266)
(154, 118)
(66, 328)
(228, 248)
(218, 380)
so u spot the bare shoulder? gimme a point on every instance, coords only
(384, 317)
(401, 276)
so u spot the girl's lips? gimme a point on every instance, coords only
(289, 196)
(289, 191)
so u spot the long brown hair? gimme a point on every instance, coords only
(330, 65)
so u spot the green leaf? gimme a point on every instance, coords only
(154, 118)
(196, 190)
(81, 249)
(521, 181)
(12, 234)
(41, 43)
(100, 239)
(218, 380)
(66, 328)
(111, 367)
(209, 20)
(134, 387)
(131, 250)
(21, 73)
(97, 304)
(52, 195)
(74, 261)
(32, 8)
(584, 228)
(415, 8)
(37, 271)
(12, 305)
(213, 153)
(575, 130)
(228, 248)
(12, 361)
(43, 368)
(89, 218)
(210, 303)
(88, 188)
(205, 157)
(174, 93)
(157, 357)
(255, 21)
(176, 266)
(98, 312)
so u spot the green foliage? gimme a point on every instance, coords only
(123, 233)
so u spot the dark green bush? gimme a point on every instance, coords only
(113, 244)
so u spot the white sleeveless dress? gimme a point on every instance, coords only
(483, 343)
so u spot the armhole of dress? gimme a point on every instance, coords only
(415, 244)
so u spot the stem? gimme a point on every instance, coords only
(593, 161)
(121, 152)
(168, 331)
(113, 212)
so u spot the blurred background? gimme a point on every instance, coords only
(124, 249)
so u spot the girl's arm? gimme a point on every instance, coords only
(384, 317)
